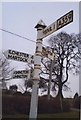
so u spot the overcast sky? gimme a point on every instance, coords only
(21, 19)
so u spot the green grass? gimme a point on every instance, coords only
(72, 114)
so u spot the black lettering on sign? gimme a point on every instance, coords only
(10, 56)
(70, 16)
(12, 52)
(21, 72)
(59, 23)
(47, 30)
(66, 19)
(19, 56)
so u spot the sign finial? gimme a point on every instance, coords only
(40, 24)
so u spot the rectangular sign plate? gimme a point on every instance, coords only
(19, 56)
(64, 20)
(20, 74)
(61, 22)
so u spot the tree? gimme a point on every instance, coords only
(5, 71)
(42, 84)
(29, 82)
(67, 50)
(49, 83)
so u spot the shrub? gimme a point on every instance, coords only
(76, 103)
(12, 104)
(66, 106)
(52, 106)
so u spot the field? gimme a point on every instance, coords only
(17, 107)
(72, 115)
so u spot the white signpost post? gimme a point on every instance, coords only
(42, 32)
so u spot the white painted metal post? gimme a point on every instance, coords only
(37, 67)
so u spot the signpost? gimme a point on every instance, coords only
(37, 70)
(59, 23)
(23, 57)
(19, 56)
(42, 32)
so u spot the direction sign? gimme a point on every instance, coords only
(20, 74)
(23, 74)
(19, 56)
(47, 53)
(59, 23)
